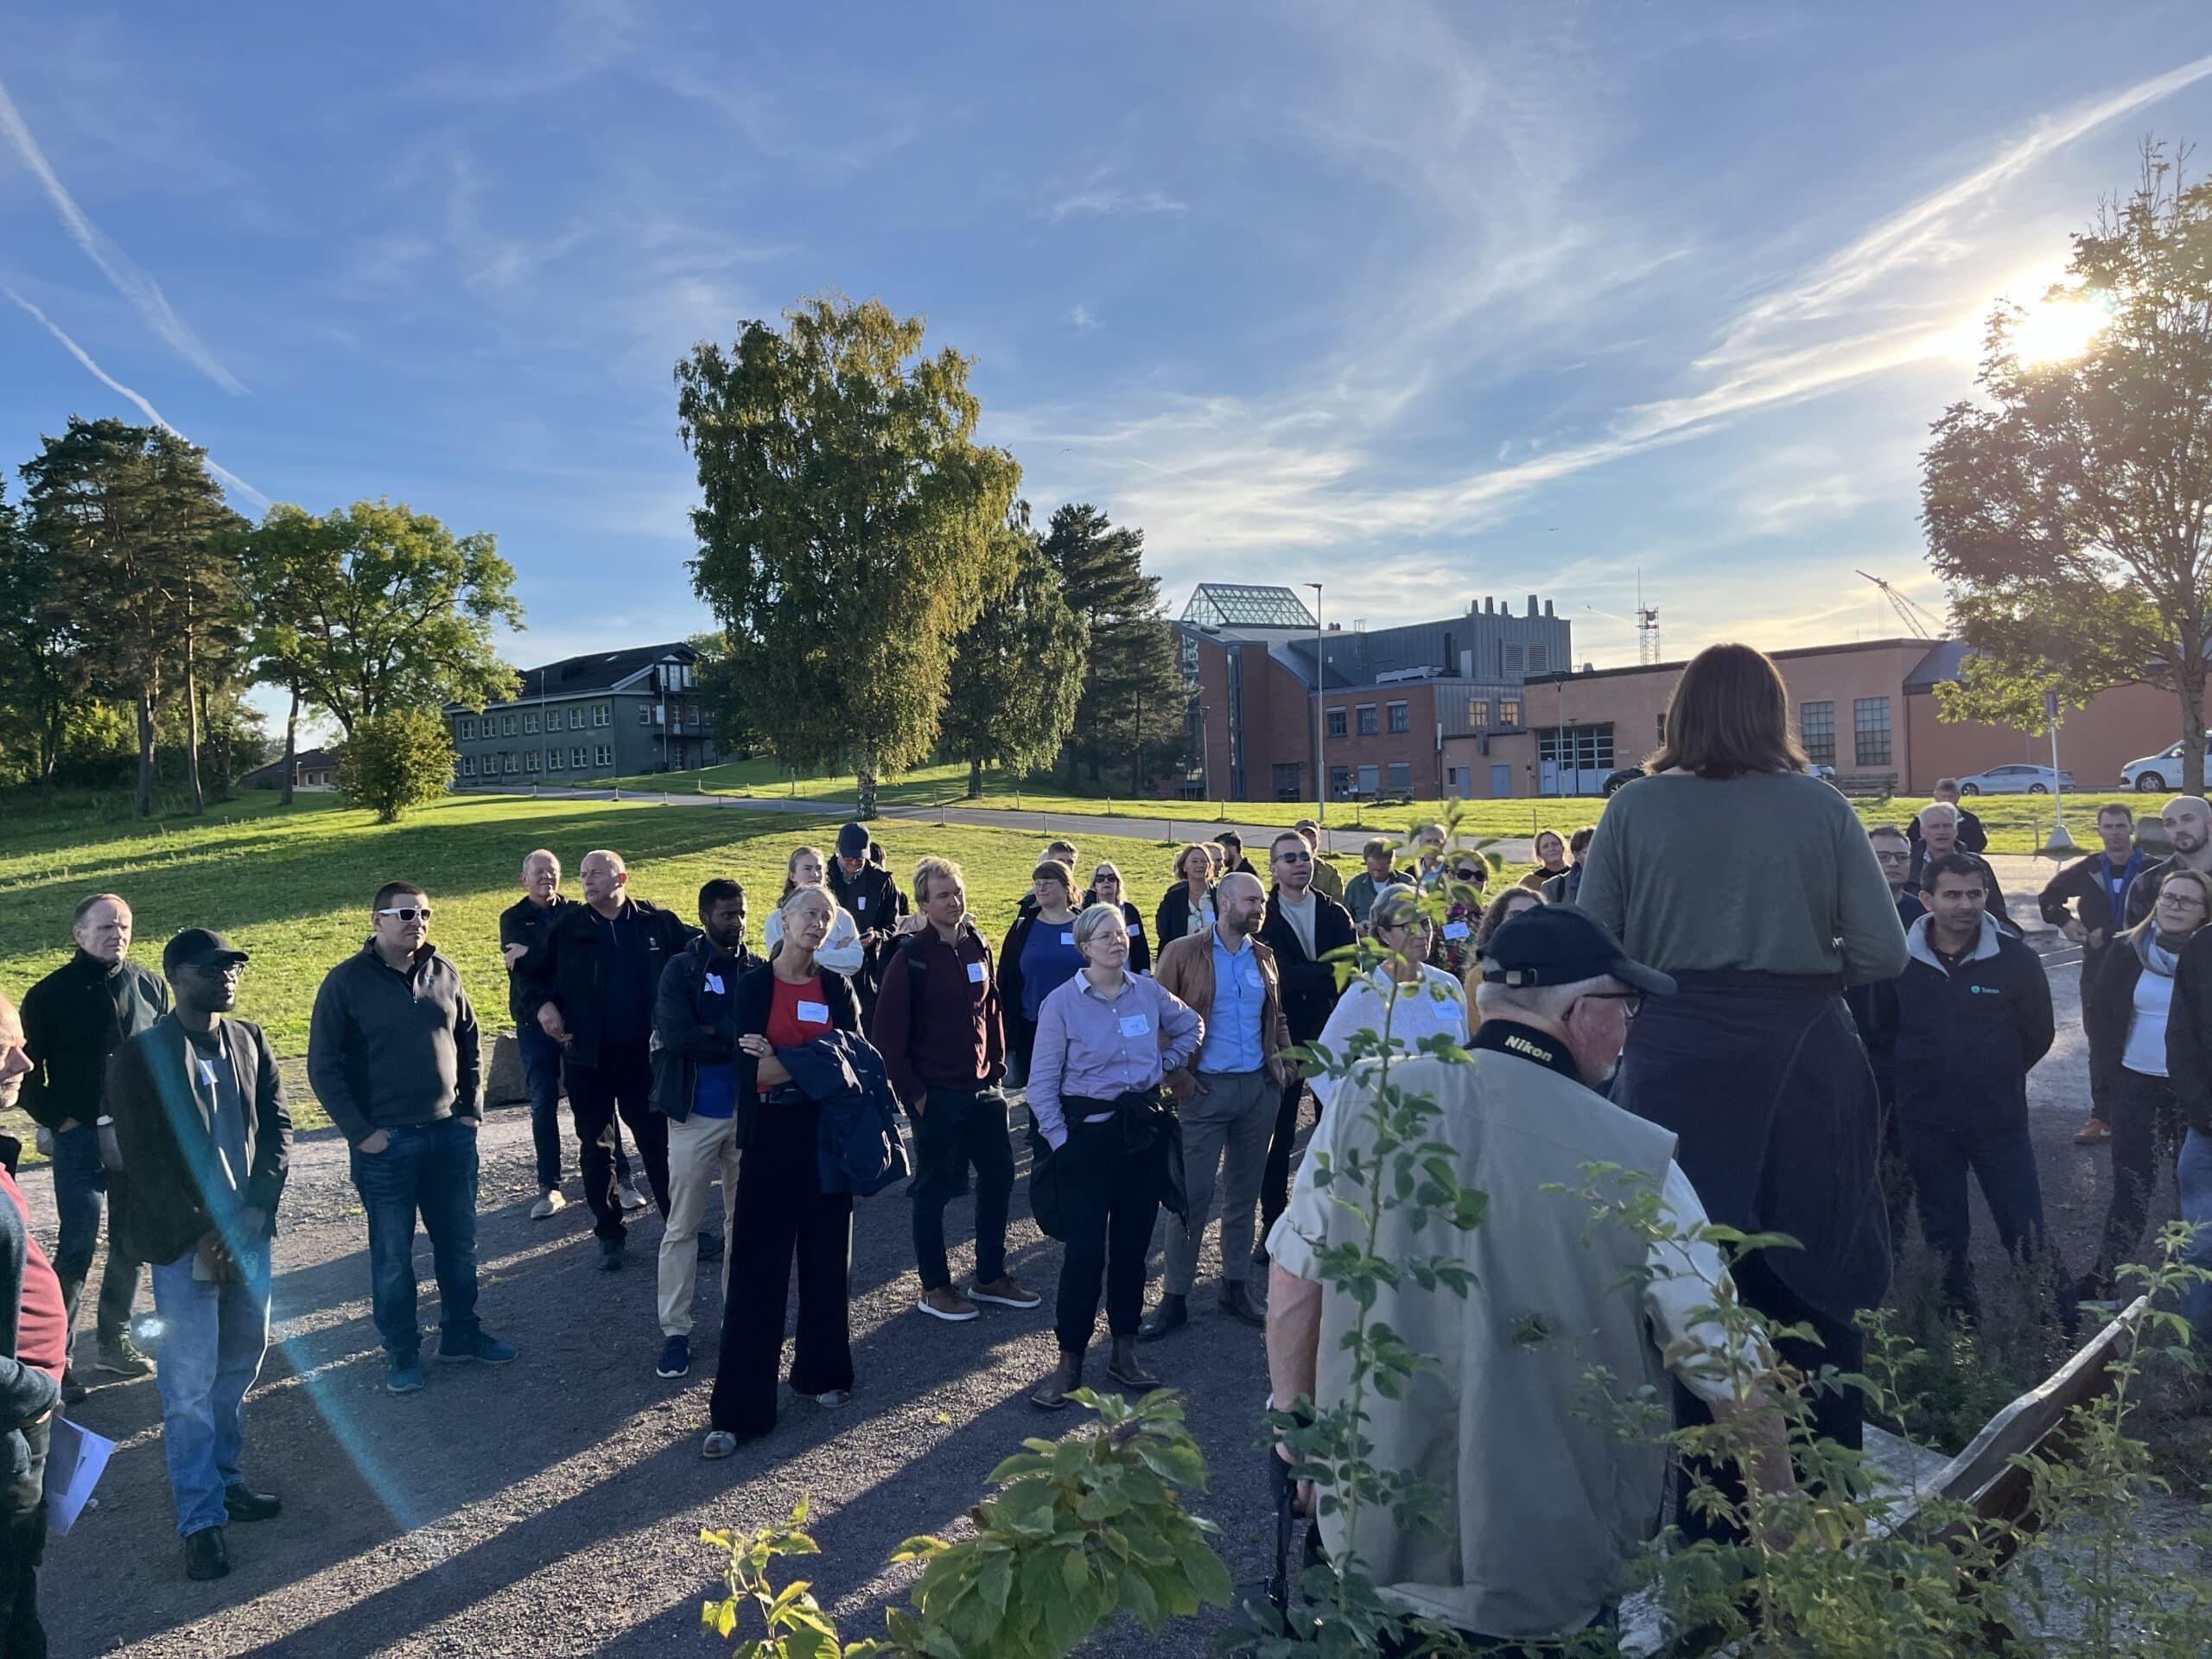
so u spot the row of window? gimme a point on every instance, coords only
(1398, 717)
(1370, 779)
(602, 713)
(1870, 732)
(577, 760)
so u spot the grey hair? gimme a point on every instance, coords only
(797, 893)
(1396, 906)
(1939, 809)
(1546, 1001)
(545, 853)
(1093, 918)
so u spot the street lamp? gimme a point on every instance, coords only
(1320, 719)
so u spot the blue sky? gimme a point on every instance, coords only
(1423, 302)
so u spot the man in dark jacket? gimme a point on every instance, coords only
(937, 1025)
(2086, 900)
(394, 1056)
(1940, 823)
(695, 1088)
(1301, 928)
(2188, 1067)
(1971, 1015)
(871, 898)
(202, 1131)
(592, 993)
(1893, 852)
(33, 1348)
(1972, 837)
(74, 1018)
(1232, 849)
(2187, 820)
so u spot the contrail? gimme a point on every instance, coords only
(134, 284)
(231, 482)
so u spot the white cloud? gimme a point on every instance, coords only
(1113, 201)
(134, 284)
(229, 481)
(1083, 319)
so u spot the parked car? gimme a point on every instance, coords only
(2156, 771)
(2019, 779)
(1625, 775)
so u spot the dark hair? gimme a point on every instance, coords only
(1729, 715)
(1499, 909)
(1053, 870)
(1953, 864)
(1581, 840)
(1231, 838)
(1288, 835)
(2120, 807)
(1890, 830)
(1381, 844)
(720, 890)
(392, 890)
(85, 905)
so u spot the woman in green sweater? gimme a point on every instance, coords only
(1752, 883)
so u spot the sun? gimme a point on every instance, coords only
(2058, 329)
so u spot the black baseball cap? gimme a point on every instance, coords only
(1563, 944)
(197, 947)
(852, 840)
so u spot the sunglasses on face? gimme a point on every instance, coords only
(408, 912)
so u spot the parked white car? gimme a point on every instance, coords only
(2016, 780)
(2154, 772)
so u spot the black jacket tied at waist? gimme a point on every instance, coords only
(1145, 1125)
(858, 1146)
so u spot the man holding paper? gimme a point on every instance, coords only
(33, 1348)
(202, 1131)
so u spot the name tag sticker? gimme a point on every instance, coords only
(715, 983)
(974, 973)
(1067, 938)
(1135, 1025)
(1136, 929)
(814, 1013)
(859, 901)
(208, 1068)
(1455, 930)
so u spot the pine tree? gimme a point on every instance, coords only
(1017, 672)
(43, 675)
(1134, 699)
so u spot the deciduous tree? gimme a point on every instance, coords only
(1017, 672)
(395, 759)
(848, 530)
(2066, 506)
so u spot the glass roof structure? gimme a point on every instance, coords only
(1235, 605)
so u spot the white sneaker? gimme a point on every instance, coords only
(627, 1195)
(549, 1202)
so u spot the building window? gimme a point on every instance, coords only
(604, 755)
(1367, 720)
(1579, 748)
(1402, 777)
(1816, 730)
(1540, 658)
(466, 730)
(1509, 713)
(644, 713)
(576, 719)
(1335, 723)
(1399, 720)
(602, 713)
(507, 728)
(1479, 714)
(1370, 779)
(1510, 661)
(529, 762)
(576, 758)
(1288, 775)
(507, 761)
(1870, 731)
(553, 761)
(468, 765)
(529, 723)
(1339, 782)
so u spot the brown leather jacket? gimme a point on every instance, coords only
(1186, 970)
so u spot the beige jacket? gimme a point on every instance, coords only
(1185, 968)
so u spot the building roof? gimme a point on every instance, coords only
(1235, 604)
(595, 670)
(1933, 648)
(305, 761)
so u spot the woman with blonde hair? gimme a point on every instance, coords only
(1187, 907)
(841, 951)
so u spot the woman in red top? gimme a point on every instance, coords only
(782, 1210)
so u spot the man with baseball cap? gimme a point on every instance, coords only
(1516, 1415)
(870, 893)
(203, 1133)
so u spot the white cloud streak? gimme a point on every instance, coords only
(1104, 201)
(231, 481)
(134, 284)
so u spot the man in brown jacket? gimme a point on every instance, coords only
(1228, 1094)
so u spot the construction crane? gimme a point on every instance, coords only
(1923, 623)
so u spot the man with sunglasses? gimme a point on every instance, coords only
(1300, 928)
(393, 1055)
(202, 1131)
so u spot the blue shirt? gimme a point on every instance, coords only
(1232, 1041)
(1048, 960)
(2116, 883)
(716, 1093)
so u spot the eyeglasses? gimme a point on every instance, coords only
(1631, 1001)
(1893, 858)
(1468, 875)
(407, 913)
(1293, 858)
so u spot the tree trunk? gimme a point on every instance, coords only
(291, 743)
(191, 784)
(145, 754)
(2191, 681)
(975, 777)
(865, 777)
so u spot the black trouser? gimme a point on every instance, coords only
(1112, 1198)
(1835, 1416)
(2145, 1119)
(783, 1212)
(1941, 1154)
(1896, 1172)
(958, 1128)
(623, 1082)
(22, 1546)
(1274, 1180)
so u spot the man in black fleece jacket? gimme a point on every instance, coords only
(1970, 1017)
(74, 1018)
(394, 1057)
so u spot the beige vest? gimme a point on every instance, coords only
(1541, 1500)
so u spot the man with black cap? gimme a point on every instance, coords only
(1512, 1412)
(872, 896)
(202, 1131)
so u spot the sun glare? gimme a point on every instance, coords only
(2058, 329)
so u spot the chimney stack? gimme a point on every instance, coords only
(1547, 608)
(1532, 604)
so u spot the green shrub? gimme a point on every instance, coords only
(395, 761)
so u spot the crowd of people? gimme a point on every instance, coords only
(1836, 1028)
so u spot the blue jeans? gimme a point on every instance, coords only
(80, 1197)
(213, 1338)
(2196, 1209)
(430, 1168)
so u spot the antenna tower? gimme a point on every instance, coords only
(1647, 628)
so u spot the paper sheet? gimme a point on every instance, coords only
(74, 1461)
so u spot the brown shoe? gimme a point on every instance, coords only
(1128, 1370)
(948, 1304)
(2092, 1132)
(1051, 1394)
(1004, 1291)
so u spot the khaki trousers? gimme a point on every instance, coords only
(699, 1148)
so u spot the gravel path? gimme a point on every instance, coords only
(554, 1507)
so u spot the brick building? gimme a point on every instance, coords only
(605, 715)
(1392, 698)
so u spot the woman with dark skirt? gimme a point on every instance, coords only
(2124, 1009)
(1752, 883)
(782, 1211)
(1105, 1040)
